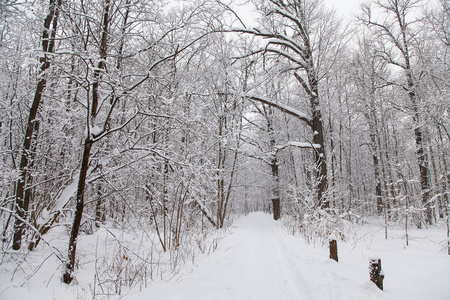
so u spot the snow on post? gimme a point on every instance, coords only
(333, 248)
(375, 271)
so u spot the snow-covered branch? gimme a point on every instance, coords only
(299, 23)
(276, 39)
(302, 145)
(284, 108)
(107, 132)
(58, 253)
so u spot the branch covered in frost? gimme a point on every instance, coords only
(277, 39)
(303, 145)
(284, 108)
(205, 211)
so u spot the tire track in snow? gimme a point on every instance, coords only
(291, 274)
(257, 261)
(263, 259)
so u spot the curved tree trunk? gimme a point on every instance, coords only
(22, 200)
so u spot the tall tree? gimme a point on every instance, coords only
(301, 33)
(395, 33)
(22, 197)
(367, 84)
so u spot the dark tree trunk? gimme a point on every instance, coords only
(23, 190)
(220, 173)
(319, 155)
(376, 166)
(99, 211)
(70, 265)
(22, 200)
(422, 156)
(317, 129)
(275, 189)
(320, 158)
(422, 159)
(332, 179)
(378, 192)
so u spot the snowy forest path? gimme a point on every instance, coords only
(259, 260)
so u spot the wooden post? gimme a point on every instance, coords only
(276, 208)
(376, 274)
(333, 248)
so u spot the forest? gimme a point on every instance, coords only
(159, 122)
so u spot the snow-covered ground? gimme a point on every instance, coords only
(259, 260)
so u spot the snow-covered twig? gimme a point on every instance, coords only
(58, 253)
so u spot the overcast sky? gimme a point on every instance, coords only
(345, 7)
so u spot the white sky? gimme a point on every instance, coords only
(349, 9)
(345, 7)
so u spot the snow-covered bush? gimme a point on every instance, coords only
(315, 224)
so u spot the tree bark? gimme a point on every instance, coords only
(319, 155)
(275, 189)
(22, 199)
(99, 210)
(70, 265)
(421, 153)
(316, 127)
(90, 122)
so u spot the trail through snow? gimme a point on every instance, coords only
(260, 261)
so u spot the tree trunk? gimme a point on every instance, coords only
(99, 210)
(90, 122)
(378, 192)
(445, 185)
(332, 179)
(275, 189)
(297, 12)
(220, 173)
(319, 155)
(317, 129)
(22, 201)
(422, 157)
(70, 265)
